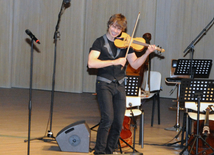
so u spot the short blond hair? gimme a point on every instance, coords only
(119, 20)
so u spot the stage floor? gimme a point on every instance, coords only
(69, 108)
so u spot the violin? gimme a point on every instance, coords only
(137, 43)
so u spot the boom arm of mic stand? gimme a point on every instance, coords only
(198, 38)
(57, 25)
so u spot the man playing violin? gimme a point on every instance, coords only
(110, 88)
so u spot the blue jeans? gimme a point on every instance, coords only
(112, 102)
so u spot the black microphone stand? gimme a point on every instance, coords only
(56, 35)
(190, 48)
(30, 96)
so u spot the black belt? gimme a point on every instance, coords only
(109, 81)
(115, 81)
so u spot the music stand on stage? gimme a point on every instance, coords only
(196, 91)
(132, 84)
(198, 68)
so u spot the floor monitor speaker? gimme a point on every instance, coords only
(74, 137)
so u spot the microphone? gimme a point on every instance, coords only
(66, 1)
(130, 104)
(32, 36)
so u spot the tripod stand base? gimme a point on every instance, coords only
(174, 128)
(48, 138)
(128, 145)
(203, 146)
(176, 143)
(50, 134)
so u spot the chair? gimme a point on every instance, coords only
(152, 85)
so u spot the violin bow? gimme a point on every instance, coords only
(132, 34)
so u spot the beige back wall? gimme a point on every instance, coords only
(173, 25)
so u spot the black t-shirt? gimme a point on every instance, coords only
(110, 72)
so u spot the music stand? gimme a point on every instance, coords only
(132, 85)
(196, 91)
(197, 68)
